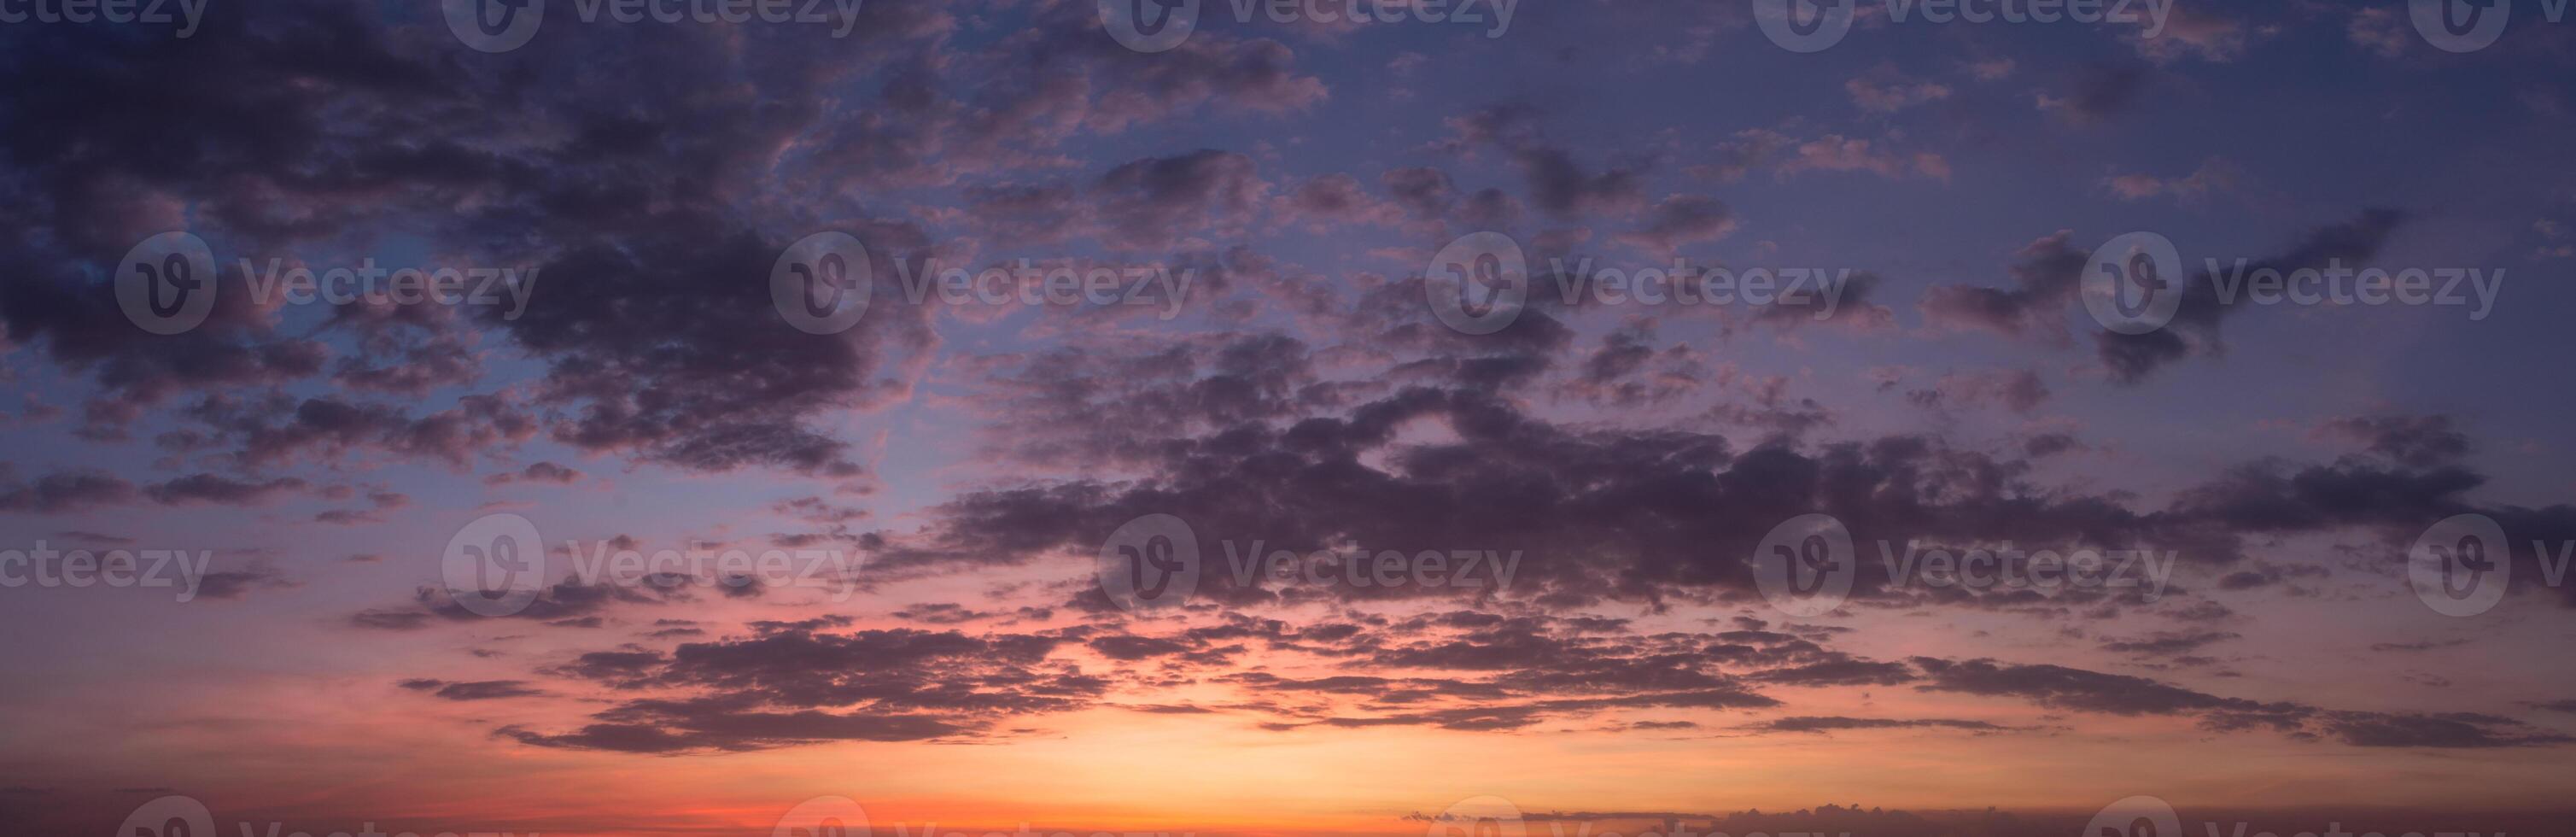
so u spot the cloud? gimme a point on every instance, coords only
(472, 690)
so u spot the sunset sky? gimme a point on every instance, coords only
(958, 478)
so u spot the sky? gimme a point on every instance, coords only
(1370, 417)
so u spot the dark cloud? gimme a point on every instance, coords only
(2132, 357)
(2413, 441)
(795, 685)
(234, 584)
(472, 690)
(67, 491)
(1824, 724)
(2458, 730)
